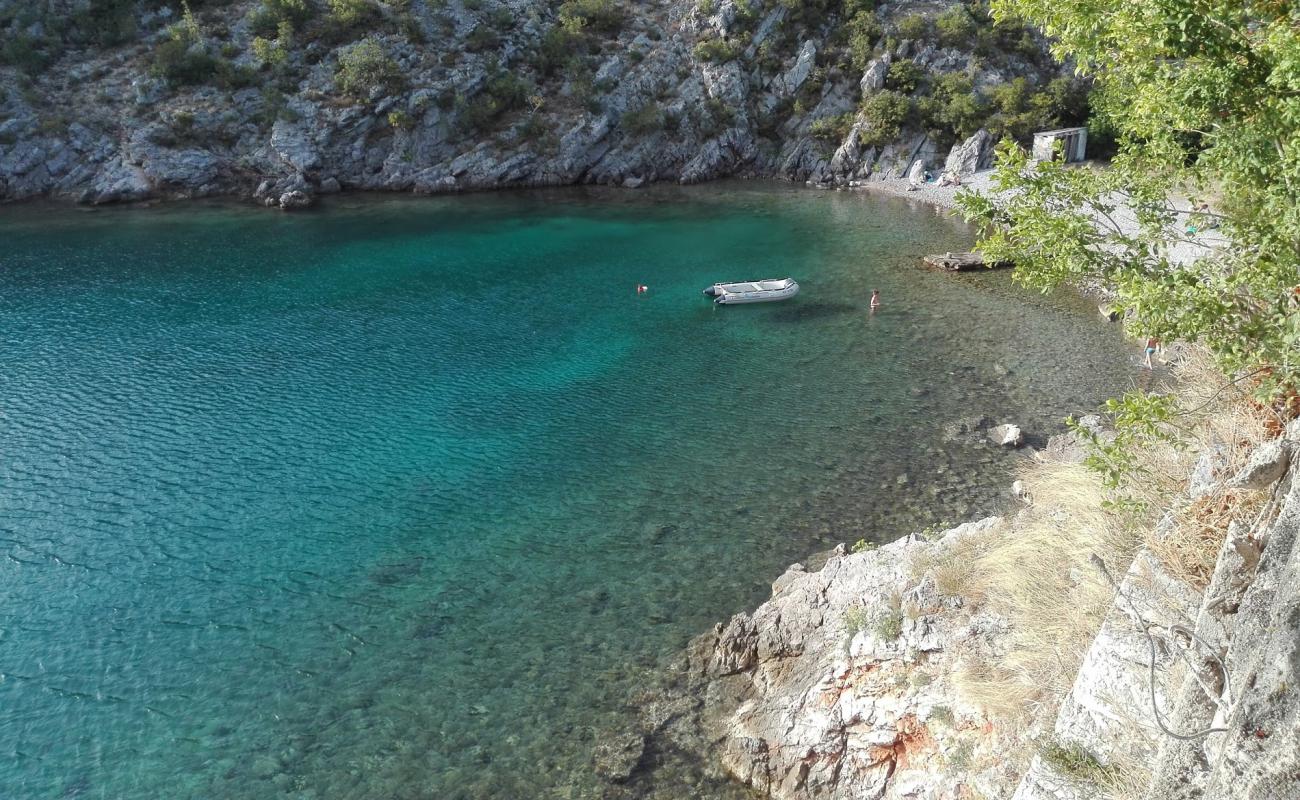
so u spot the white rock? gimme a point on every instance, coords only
(873, 78)
(1007, 435)
(292, 144)
(295, 199)
(803, 67)
(1266, 466)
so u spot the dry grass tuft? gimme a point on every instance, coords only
(1035, 573)
(1189, 548)
(1216, 418)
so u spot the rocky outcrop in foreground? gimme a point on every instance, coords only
(841, 685)
(417, 96)
(848, 683)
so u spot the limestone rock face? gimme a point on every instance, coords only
(841, 685)
(972, 155)
(803, 66)
(1227, 660)
(873, 78)
(651, 106)
(291, 143)
(1112, 689)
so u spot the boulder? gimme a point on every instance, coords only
(1266, 466)
(292, 144)
(873, 79)
(296, 199)
(188, 169)
(803, 67)
(617, 757)
(148, 91)
(118, 181)
(972, 155)
(1007, 435)
(330, 186)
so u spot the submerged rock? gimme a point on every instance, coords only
(617, 758)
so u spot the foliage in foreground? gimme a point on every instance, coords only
(1203, 97)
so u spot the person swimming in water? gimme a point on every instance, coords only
(875, 299)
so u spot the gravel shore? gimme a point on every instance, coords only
(931, 193)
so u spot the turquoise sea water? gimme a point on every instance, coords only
(405, 498)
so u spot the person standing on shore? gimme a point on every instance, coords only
(875, 300)
(1152, 345)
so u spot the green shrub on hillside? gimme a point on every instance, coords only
(647, 119)
(833, 129)
(559, 46)
(807, 13)
(352, 13)
(887, 111)
(505, 91)
(603, 16)
(106, 23)
(274, 52)
(27, 53)
(1016, 114)
(365, 66)
(266, 18)
(956, 27)
(863, 32)
(916, 26)
(904, 76)
(953, 106)
(482, 38)
(718, 51)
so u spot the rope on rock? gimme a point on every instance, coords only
(1174, 642)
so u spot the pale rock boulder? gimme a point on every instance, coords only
(118, 181)
(1267, 465)
(295, 199)
(873, 78)
(765, 28)
(841, 685)
(1007, 435)
(972, 155)
(794, 78)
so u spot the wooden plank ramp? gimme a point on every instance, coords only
(962, 262)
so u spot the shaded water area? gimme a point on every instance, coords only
(404, 498)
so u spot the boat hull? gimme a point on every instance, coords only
(769, 291)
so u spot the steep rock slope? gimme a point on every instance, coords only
(109, 100)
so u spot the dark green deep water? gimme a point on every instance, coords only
(405, 498)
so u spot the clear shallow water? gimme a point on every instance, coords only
(406, 498)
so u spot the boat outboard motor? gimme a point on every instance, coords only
(712, 291)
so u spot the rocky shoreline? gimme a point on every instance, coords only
(855, 679)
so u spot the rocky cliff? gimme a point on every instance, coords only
(863, 679)
(118, 100)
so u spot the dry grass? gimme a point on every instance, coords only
(1215, 418)
(1035, 573)
(1189, 548)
